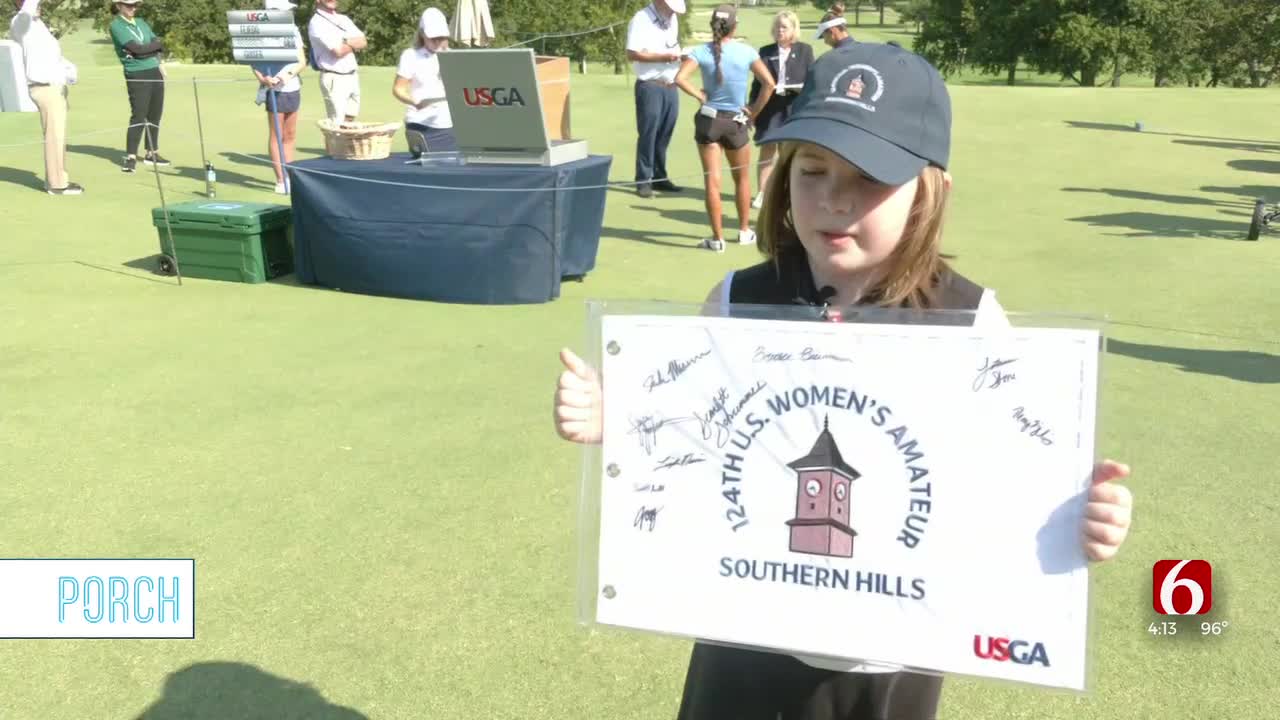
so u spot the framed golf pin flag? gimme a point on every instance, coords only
(899, 487)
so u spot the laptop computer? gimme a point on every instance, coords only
(496, 104)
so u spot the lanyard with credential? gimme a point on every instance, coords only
(135, 32)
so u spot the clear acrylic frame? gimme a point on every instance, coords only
(591, 590)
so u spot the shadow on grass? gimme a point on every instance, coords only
(651, 237)
(231, 177)
(225, 177)
(148, 264)
(696, 218)
(1218, 145)
(1243, 365)
(218, 690)
(1117, 127)
(1247, 193)
(112, 155)
(1159, 197)
(1146, 224)
(1262, 166)
(25, 178)
(995, 81)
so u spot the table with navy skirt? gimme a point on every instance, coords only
(483, 234)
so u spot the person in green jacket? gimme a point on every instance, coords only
(139, 51)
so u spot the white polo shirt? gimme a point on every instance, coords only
(422, 68)
(41, 54)
(326, 32)
(646, 34)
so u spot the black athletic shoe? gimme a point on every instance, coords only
(667, 186)
(130, 164)
(644, 190)
(155, 159)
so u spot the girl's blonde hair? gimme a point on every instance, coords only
(909, 276)
(787, 17)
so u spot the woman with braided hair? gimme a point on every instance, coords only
(724, 119)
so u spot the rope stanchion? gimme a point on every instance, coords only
(631, 184)
(209, 176)
(553, 36)
(78, 136)
(164, 208)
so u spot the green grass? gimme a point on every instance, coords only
(381, 514)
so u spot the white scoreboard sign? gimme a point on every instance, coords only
(263, 36)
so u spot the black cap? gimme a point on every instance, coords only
(882, 108)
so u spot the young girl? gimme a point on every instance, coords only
(284, 103)
(853, 216)
(428, 126)
(723, 119)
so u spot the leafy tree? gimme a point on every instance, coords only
(1176, 35)
(1089, 36)
(915, 12)
(62, 16)
(950, 28)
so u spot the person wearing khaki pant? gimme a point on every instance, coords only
(48, 75)
(52, 103)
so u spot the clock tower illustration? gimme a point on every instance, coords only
(823, 482)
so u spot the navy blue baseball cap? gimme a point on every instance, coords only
(881, 107)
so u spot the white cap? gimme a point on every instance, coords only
(433, 23)
(833, 22)
(677, 6)
(279, 5)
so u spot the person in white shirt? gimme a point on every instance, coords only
(284, 102)
(48, 75)
(335, 40)
(427, 122)
(653, 47)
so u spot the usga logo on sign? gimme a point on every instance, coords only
(488, 97)
(1001, 650)
(255, 16)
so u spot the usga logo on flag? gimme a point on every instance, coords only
(97, 598)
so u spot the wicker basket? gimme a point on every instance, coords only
(357, 140)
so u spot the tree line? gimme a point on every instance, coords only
(196, 31)
(1232, 43)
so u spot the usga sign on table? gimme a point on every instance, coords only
(262, 36)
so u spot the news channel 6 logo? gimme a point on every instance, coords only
(1182, 587)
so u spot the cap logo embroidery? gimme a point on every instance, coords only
(856, 87)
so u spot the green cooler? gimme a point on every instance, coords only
(235, 241)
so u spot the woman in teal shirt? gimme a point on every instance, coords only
(723, 119)
(139, 51)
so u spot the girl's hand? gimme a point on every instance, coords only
(578, 401)
(1108, 513)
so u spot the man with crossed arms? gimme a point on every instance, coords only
(335, 40)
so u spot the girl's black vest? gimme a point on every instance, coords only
(789, 282)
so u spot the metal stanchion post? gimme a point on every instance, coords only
(164, 208)
(210, 175)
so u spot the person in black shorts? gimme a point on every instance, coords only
(280, 92)
(723, 119)
(788, 60)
